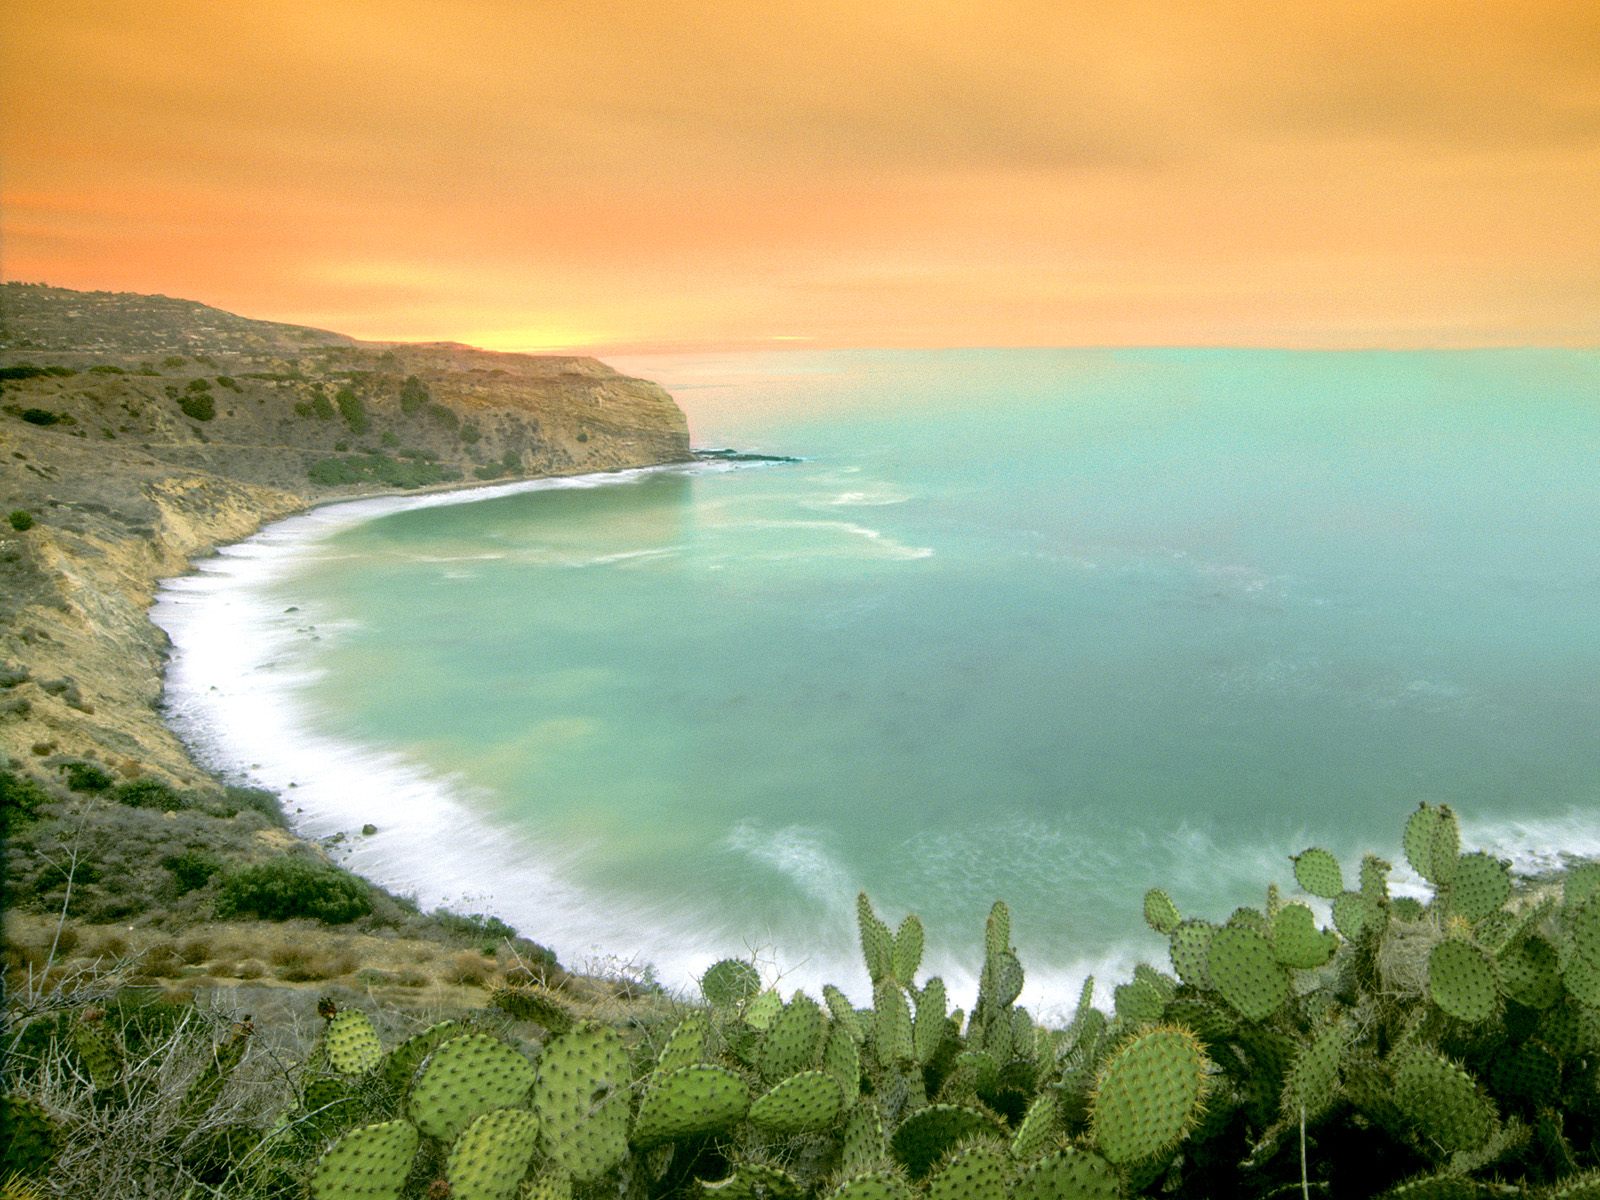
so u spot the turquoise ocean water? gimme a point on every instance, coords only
(1052, 626)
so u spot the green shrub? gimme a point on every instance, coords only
(294, 887)
(199, 406)
(442, 416)
(487, 472)
(20, 799)
(413, 395)
(352, 410)
(379, 468)
(192, 869)
(21, 519)
(106, 369)
(41, 416)
(29, 371)
(321, 406)
(390, 438)
(173, 360)
(229, 382)
(511, 461)
(256, 800)
(148, 793)
(86, 777)
(471, 434)
(199, 385)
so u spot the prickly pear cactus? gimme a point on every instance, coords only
(97, 1049)
(492, 1154)
(403, 1061)
(977, 1172)
(1442, 1100)
(929, 1133)
(755, 1181)
(529, 1002)
(370, 1163)
(1296, 940)
(1433, 843)
(873, 1185)
(793, 1042)
(1039, 1128)
(1148, 1094)
(906, 956)
(863, 1147)
(1480, 886)
(466, 1076)
(1068, 1174)
(686, 1045)
(1318, 872)
(581, 1095)
(804, 1103)
(351, 1043)
(1160, 913)
(729, 983)
(929, 1025)
(1242, 966)
(690, 1100)
(207, 1086)
(1462, 981)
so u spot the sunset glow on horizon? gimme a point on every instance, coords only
(614, 177)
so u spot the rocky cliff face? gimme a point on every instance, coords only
(138, 432)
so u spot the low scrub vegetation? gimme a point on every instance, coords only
(291, 887)
(379, 468)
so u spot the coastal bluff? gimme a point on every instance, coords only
(140, 432)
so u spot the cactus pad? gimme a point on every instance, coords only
(793, 1042)
(1069, 1174)
(465, 1076)
(1296, 940)
(1444, 1186)
(1318, 872)
(1530, 1072)
(1148, 1094)
(1191, 941)
(1003, 979)
(1309, 1086)
(907, 954)
(405, 1058)
(687, 1101)
(877, 943)
(763, 1009)
(997, 930)
(1039, 1128)
(973, 1173)
(891, 1026)
(686, 1045)
(1138, 1001)
(581, 1094)
(873, 1185)
(928, 1134)
(351, 1043)
(843, 1013)
(863, 1147)
(1354, 914)
(928, 1027)
(803, 1103)
(1530, 972)
(370, 1163)
(491, 1156)
(1441, 1100)
(528, 1002)
(1433, 842)
(1481, 884)
(729, 983)
(841, 1058)
(1244, 969)
(1160, 913)
(1461, 981)
(97, 1051)
(1375, 878)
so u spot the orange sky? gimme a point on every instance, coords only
(723, 173)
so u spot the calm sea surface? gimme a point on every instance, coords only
(1052, 626)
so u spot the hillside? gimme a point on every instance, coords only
(137, 432)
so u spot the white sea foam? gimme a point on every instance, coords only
(233, 691)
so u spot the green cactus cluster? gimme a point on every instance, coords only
(1349, 1041)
